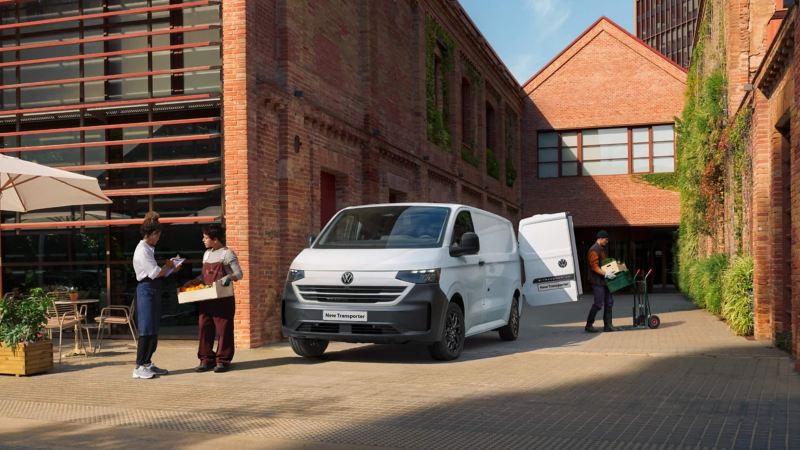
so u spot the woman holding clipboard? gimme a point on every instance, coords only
(148, 295)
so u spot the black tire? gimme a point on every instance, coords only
(309, 348)
(453, 335)
(654, 322)
(511, 330)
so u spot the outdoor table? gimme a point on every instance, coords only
(76, 308)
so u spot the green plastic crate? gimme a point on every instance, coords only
(623, 280)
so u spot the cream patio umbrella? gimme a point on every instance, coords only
(26, 186)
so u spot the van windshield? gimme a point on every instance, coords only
(382, 227)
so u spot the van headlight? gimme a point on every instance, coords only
(295, 275)
(419, 276)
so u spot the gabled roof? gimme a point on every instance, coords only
(637, 43)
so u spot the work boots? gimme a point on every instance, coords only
(590, 319)
(608, 324)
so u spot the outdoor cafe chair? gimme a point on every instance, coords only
(63, 296)
(60, 317)
(106, 317)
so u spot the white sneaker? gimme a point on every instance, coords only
(143, 372)
(157, 370)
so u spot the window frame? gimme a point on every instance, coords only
(580, 160)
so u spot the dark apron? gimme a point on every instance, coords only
(216, 316)
(148, 306)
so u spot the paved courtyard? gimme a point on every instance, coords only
(689, 384)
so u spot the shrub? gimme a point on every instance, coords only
(21, 319)
(784, 341)
(737, 282)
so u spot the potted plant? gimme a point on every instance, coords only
(24, 347)
(73, 294)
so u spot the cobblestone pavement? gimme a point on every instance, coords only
(689, 384)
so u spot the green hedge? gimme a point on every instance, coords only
(721, 288)
(737, 282)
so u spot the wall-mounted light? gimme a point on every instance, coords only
(748, 87)
(297, 144)
(299, 94)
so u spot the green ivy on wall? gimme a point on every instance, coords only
(668, 181)
(438, 121)
(511, 173)
(712, 164)
(475, 79)
(468, 154)
(492, 165)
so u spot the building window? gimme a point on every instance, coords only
(607, 151)
(466, 112)
(491, 127)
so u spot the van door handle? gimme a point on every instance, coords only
(481, 263)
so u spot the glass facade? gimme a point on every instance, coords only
(130, 95)
(607, 151)
(668, 26)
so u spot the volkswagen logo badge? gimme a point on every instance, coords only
(347, 277)
(562, 263)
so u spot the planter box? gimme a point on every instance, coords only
(217, 290)
(27, 359)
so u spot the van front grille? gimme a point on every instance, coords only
(351, 294)
(319, 327)
(373, 329)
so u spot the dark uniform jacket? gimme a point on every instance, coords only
(596, 255)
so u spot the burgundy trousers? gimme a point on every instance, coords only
(216, 317)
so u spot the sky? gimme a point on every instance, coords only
(527, 34)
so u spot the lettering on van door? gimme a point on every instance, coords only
(551, 286)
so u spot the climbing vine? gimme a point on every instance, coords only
(468, 153)
(713, 176)
(492, 165)
(510, 128)
(438, 119)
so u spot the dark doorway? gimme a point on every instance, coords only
(327, 198)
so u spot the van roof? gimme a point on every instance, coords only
(451, 206)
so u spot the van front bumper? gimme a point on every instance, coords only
(418, 317)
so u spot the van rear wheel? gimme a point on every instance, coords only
(452, 343)
(511, 330)
(309, 348)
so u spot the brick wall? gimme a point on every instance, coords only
(607, 78)
(361, 117)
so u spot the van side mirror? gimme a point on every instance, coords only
(311, 240)
(470, 245)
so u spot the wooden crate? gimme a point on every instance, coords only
(27, 359)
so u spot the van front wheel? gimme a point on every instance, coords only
(310, 348)
(452, 343)
(511, 330)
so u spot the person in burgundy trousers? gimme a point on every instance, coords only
(216, 316)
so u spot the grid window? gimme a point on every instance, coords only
(607, 151)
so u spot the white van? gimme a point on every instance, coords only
(400, 273)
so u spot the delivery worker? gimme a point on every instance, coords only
(597, 279)
(216, 316)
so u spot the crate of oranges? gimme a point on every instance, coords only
(203, 292)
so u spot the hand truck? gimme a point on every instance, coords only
(643, 317)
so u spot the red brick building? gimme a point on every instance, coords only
(331, 104)
(598, 116)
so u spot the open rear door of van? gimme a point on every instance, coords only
(547, 247)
